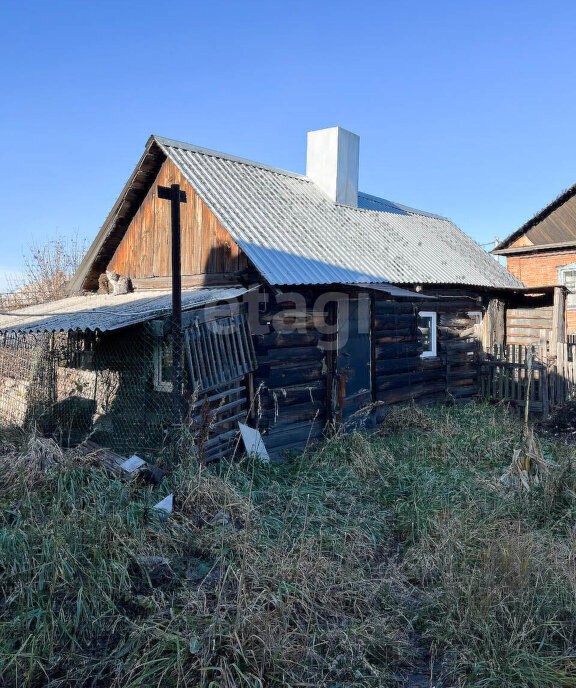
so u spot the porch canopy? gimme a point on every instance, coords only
(105, 312)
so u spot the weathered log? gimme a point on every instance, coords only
(406, 379)
(297, 413)
(394, 321)
(285, 339)
(290, 375)
(315, 390)
(460, 392)
(400, 350)
(383, 307)
(455, 320)
(452, 383)
(293, 353)
(283, 435)
(453, 332)
(452, 345)
(397, 365)
(450, 306)
(393, 337)
(406, 394)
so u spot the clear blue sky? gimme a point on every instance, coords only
(467, 109)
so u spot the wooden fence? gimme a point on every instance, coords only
(529, 376)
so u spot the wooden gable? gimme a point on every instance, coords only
(522, 241)
(552, 227)
(207, 248)
(558, 226)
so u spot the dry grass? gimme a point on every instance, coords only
(345, 567)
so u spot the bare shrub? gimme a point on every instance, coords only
(48, 268)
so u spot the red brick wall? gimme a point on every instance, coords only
(541, 269)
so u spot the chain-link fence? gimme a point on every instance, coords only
(111, 387)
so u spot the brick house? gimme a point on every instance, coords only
(542, 253)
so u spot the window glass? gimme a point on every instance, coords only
(428, 335)
(163, 364)
(475, 317)
(568, 279)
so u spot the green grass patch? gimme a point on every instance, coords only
(342, 567)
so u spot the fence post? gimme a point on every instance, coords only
(558, 334)
(563, 373)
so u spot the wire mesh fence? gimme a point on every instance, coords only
(109, 387)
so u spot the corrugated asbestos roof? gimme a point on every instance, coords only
(294, 234)
(105, 312)
(393, 290)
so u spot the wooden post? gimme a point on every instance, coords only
(558, 334)
(494, 324)
(544, 392)
(175, 196)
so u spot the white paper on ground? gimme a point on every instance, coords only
(134, 463)
(253, 442)
(166, 504)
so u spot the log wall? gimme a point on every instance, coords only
(290, 383)
(524, 325)
(295, 394)
(401, 373)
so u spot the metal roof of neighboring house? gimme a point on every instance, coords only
(370, 202)
(553, 227)
(294, 234)
(105, 312)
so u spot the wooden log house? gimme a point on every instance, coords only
(342, 298)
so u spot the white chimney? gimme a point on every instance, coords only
(332, 159)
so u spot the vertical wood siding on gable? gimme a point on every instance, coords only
(207, 248)
(559, 225)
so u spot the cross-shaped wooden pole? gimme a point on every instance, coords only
(176, 196)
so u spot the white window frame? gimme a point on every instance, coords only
(160, 385)
(480, 314)
(433, 333)
(562, 280)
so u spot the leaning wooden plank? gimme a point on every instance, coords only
(215, 397)
(220, 439)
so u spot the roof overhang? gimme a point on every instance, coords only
(113, 229)
(550, 208)
(533, 248)
(105, 312)
(392, 290)
(548, 289)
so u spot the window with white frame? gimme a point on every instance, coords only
(428, 333)
(163, 364)
(476, 317)
(567, 277)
